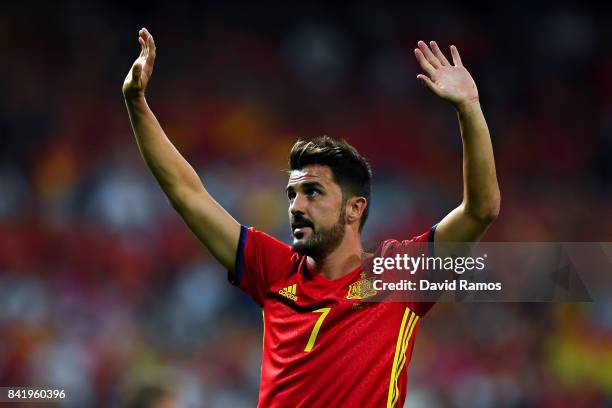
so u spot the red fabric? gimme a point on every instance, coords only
(351, 361)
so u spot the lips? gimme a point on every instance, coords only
(299, 228)
(299, 232)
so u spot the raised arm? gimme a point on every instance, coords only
(217, 230)
(481, 198)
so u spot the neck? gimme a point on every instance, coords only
(342, 260)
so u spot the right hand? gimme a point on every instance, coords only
(138, 77)
(451, 82)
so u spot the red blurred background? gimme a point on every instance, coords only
(103, 287)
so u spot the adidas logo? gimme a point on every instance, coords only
(289, 292)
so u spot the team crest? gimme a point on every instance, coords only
(363, 288)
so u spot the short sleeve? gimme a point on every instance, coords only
(426, 236)
(260, 261)
(419, 244)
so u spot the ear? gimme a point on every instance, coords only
(355, 206)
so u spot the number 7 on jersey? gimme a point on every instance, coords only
(315, 330)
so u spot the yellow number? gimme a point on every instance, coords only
(313, 336)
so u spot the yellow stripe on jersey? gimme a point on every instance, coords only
(400, 337)
(399, 359)
(403, 356)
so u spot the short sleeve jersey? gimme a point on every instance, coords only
(323, 345)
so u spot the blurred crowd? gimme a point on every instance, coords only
(103, 291)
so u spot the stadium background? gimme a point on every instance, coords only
(101, 285)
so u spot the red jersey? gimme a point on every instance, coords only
(323, 346)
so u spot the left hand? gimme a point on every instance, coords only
(451, 82)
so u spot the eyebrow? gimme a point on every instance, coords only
(307, 184)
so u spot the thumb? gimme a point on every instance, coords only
(137, 70)
(428, 82)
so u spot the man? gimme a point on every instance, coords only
(322, 346)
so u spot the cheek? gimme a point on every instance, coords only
(328, 213)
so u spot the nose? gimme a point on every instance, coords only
(298, 205)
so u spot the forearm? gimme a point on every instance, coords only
(481, 197)
(173, 173)
(217, 229)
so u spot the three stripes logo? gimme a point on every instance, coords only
(289, 292)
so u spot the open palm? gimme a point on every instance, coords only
(451, 82)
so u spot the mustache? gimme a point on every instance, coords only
(299, 221)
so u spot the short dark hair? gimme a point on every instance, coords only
(350, 170)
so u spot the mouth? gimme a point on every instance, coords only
(300, 228)
(299, 232)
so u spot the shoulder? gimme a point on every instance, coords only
(423, 240)
(264, 240)
(266, 250)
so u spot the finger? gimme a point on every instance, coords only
(152, 50)
(428, 83)
(456, 57)
(144, 34)
(438, 53)
(429, 55)
(424, 64)
(142, 45)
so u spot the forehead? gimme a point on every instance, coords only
(311, 174)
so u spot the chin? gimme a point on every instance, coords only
(298, 243)
(301, 246)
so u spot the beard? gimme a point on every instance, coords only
(324, 241)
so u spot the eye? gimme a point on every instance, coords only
(290, 195)
(313, 192)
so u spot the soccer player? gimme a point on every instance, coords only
(323, 346)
